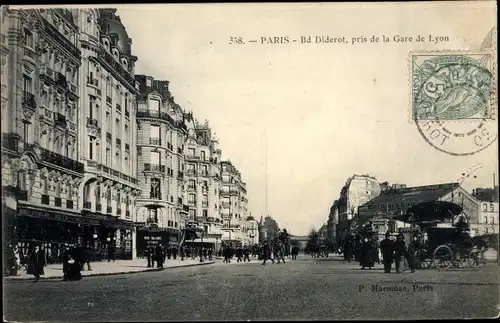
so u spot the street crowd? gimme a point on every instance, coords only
(364, 246)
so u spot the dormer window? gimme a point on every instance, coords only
(149, 82)
(115, 53)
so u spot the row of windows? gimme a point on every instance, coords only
(488, 207)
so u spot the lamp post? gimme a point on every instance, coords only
(201, 249)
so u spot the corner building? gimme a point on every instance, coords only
(202, 180)
(160, 146)
(41, 174)
(234, 203)
(108, 132)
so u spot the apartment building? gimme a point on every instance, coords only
(233, 197)
(41, 172)
(202, 179)
(162, 133)
(107, 120)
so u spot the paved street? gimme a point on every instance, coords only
(303, 289)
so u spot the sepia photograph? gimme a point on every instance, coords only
(250, 161)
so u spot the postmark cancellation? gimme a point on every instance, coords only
(453, 99)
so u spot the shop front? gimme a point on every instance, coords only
(151, 236)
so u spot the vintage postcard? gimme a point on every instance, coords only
(248, 162)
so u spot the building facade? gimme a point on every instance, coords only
(41, 172)
(108, 135)
(396, 201)
(358, 190)
(160, 145)
(202, 178)
(233, 201)
(250, 230)
(488, 220)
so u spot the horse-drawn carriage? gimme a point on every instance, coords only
(443, 246)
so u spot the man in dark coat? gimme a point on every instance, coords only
(227, 254)
(38, 262)
(159, 256)
(239, 254)
(399, 251)
(387, 248)
(348, 246)
(366, 254)
(65, 258)
(246, 254)
(267, 253)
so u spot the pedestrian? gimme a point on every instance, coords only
(246, 254)
(387, 248)
(111, 252)
(227, 254)
(210, 254)
(37, 261)
(267, 253)
(366, 257)
(183, 252)
(239, 254)
(174, 252)
(280, 252)
(399, 251)
(159, 256)
(410, 256)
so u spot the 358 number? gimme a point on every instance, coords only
(235, 40)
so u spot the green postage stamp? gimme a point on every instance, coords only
(448, 86)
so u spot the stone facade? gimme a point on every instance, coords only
(203, 178)
(233, 202)
(161, 138)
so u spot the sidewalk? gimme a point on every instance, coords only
(105, 268)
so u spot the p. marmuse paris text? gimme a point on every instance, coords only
(404, 288)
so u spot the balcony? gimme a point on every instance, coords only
(29, 100)
(191, 203)
(109, 60)
(117, 174)
(192, 157)
(87, 205)
(191, 187)
(154, 168)
(46, 72)
(108, 100)
(92, 122)
(92, 81)
(185, 208)
(60, 160)
(109, 209)
(155, 196)
(155, 141)
(61, 81)
(60, 39)
(98, 207)
(60, 120)
(155, 114)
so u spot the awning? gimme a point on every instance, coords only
(205, 240)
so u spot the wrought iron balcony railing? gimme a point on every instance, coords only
(155, 141)
(92, 81)
(92, 122)
(29, 100)
(155, 114)
(61, 161)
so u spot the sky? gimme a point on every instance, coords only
(324, 111)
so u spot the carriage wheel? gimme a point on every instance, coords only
(443, 257)
(476, 258)
(422, 260)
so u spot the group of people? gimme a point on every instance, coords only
(365, 248)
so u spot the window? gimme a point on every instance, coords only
(91, 106)
(27, 84)
(26, 131)
(192, 214)
(108, 120)
(191, 168)
(108, 156)
(492, 207)
(98, 194)
(155, 189)
(192, 199)
(108, 200)
(486, 220)
(203, 156)
(485, 207)
(152, 216)
(155, 158)
(148, 82)
(67, 150)
(191, 183)
(154, 105)
(205, 198)
(28, 38)
(205, 170)
(191, 151)
(492, 220)
(205, 184)
(205, 214)
(155, 132)
(91, 148)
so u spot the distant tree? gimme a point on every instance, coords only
(312, 241)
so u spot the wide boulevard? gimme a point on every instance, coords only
(303, 289)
